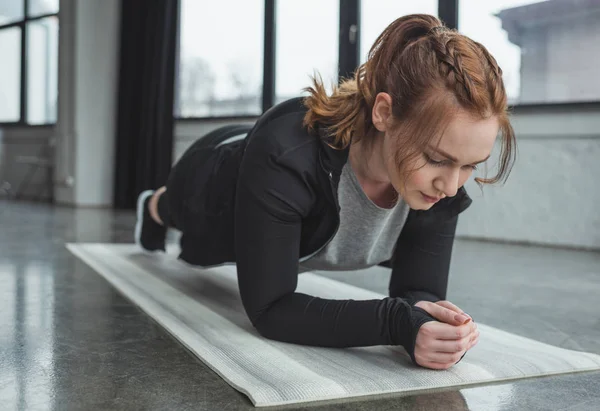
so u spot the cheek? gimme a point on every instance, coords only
(464, 176)
(420, 179)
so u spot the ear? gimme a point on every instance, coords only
(382, 111)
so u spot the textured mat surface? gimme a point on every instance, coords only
(202, 309)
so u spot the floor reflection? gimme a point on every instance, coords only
(27, 318)
(490, 398)
(69, 341)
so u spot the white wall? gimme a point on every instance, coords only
(553, 193)
(551, 197)
(88, 67)
(548, 71)
(16, 144)
(64, 172)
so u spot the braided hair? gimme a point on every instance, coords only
(431, 73)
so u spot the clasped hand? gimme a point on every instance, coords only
(441, 344)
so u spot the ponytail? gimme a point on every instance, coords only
(429, 71)
(343, 114)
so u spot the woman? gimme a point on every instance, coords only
(372, 174)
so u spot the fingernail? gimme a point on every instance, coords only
(464, 313)
(461, 318)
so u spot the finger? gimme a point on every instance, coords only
(434, 365)
(440, 357)
(438, 366)
(453, 307)
(474, 341)
(443, 314)
(451, 346)
(441, 331)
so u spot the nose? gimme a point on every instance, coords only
(448, 183)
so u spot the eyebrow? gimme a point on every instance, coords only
(454, 159)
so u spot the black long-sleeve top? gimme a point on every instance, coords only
(284, 207)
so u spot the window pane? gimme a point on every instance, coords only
(38, 7)
(302, 50)
(376, 15)
(42, 75)
(10, 11)
(10, 74)
(548, 50)
(221, 58)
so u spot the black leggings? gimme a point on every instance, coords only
(170, 203)
(163, 211)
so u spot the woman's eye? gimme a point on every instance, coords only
(443, 163)
(433, 162)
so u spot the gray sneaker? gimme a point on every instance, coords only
(149, 235)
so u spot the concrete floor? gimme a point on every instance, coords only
(69, 341)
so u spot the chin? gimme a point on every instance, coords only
(418, 204)
(414, 199)
(422, 207)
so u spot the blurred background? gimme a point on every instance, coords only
(99, 98)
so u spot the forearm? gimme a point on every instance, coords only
(413, 297)
(303, 319)
(422, 262)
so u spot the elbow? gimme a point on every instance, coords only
(271, 317)
(270, 323)
(265, 325)
(262, 326)
(260, 319)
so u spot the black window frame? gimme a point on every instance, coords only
(22, 24)
(349, 54)
(349, 49)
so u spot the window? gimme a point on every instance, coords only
(222, 49)
(28, 89)
(548, 50)
(42, 7)
(220, 58)
(10, 74)
(376, 15)
(11, 11)
(307, 42)
(42, 70)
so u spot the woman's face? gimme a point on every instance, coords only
(440, 172)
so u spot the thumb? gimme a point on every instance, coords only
(443, 314)
(450, 306)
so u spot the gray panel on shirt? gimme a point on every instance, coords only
(367, 234)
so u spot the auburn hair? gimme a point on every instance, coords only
(431, 73)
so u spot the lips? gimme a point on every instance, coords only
(430, 199)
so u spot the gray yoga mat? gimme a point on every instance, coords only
(202, 309)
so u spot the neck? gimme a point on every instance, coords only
(367, 160)
(368, 165)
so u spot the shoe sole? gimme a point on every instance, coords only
(137, 236)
